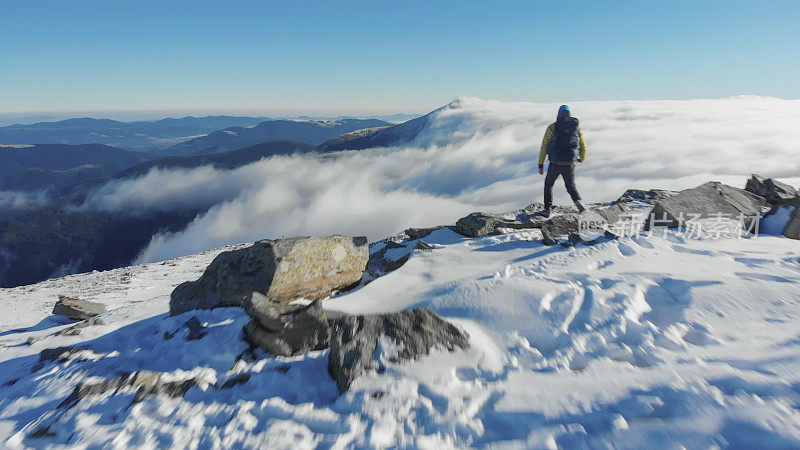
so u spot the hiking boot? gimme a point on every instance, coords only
(546, 212)
(580, 206)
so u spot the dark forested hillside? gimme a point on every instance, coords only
(64, 157)
(48, 242)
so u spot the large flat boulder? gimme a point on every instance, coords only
(708, 200)
(775, 192)
(281, 269)
(283, 329)
(413, 333)
(77, 309)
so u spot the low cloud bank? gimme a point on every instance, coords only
(474, 155)
(22, 199)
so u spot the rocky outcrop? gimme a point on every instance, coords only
(388, 259)
(282, 269)
(641, 195)
(355, 339)
(775, 192)
(563, 225)
(145, 382)
(78, 328)
(707, 200)
(477, 224)
(77, 309)
(484, 224)
(613, 213)
(285, 330)
(411, 234)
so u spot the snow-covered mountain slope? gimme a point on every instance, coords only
(652, 341)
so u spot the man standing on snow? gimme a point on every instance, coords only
(563, 144)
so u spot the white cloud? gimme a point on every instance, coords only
(20, 199)
(476, 155)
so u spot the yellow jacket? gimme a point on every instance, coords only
(548, 136)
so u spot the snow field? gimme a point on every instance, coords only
(647, 341)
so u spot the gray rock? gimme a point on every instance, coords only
(641, 195)
(706, 200)
(792, 229)
(773, 191)
(235, 380)
(613, 213)
(59, 353)
(385, 260)
(477, 224)
(483, 224)
(354, 340)
(76, 329)
(285, 330)
(423, 246)
(562, 225)
(77, 309)
(380, 263)
(282, 269)
(411, 234)
(196, 329)
(145, 382)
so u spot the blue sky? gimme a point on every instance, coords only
(326, 57)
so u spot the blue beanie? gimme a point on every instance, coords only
(563, 109)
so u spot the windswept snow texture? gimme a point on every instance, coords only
(472, 155)
(645, 342)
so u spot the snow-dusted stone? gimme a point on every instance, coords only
(78, 328)
(77, 309)
(641, 195)
(283, 329)
(483, 224)
(613, 213)
(145, 382)
(707, 200)
(282, 269)
(792, 229)
(477, 224)
(354, 340)
(773, 191)
(423, 246)
(562, 225)
(386, 260)
(411, 234)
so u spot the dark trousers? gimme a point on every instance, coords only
(566, 171)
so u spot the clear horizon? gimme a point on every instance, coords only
(324, 59)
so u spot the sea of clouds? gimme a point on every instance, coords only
(473, 155)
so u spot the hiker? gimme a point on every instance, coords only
(563, 144)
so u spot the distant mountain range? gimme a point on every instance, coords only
(375, 137)
(142, 135)
(308, 132)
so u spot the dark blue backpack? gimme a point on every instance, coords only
(564, 147)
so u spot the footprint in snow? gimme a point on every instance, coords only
(626, 249)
